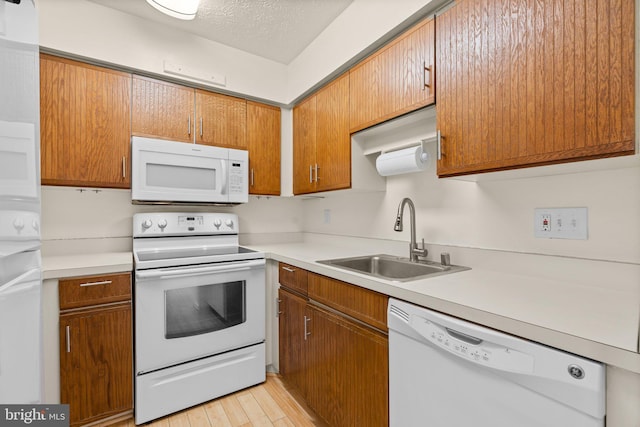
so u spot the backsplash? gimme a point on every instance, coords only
(69, 213)
(494, 214)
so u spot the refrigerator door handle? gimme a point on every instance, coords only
(26, 277)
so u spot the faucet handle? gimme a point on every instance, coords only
(421, 251)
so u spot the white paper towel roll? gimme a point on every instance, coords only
(408, 160)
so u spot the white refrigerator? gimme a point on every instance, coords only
(20, 260)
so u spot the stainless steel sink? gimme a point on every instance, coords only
(391, 267)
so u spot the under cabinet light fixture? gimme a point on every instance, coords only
(181, 9)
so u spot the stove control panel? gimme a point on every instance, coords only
(155, 224)
(19, 225)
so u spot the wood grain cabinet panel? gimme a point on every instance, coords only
(221, 120)
(347, 371)
(162, 110)
(84, 124)
(94, 290)
(293, 277)
(328, 352)
(263, 141)
(395, 80)
(291, 339)
(360, 303)
(96, 347)
(333, 140)
(321, 140)
(531, 83)
(304, 146)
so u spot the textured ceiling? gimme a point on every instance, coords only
(275, 29)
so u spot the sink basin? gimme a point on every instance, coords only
(391, 267)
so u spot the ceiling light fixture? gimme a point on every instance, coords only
(181, 9)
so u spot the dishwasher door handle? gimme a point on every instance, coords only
(463, 337)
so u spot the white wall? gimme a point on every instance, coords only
(70, 214)
(361, 24)
(494, 214)
(90, 30)
(86, 29)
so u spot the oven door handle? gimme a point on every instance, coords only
(198, 271)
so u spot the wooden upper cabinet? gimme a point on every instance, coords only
(263, 140)
(221, 120)
(321, 140)
(162, 110)
(530, 83)
(333, 140)
(304, 146)
(395, 80)
(84, 124)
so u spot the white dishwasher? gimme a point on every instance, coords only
(445, 372)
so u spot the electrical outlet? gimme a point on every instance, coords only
(561, 223)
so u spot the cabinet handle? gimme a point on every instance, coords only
(252, 177)
(124, 167)
(201, 127)
(68, 337)
(317, 167)
(104, 282)
(425, 82)
(290, 270)
(310, 174)
(278, 312)
(189, 126)
(306, 334)
(439, 139)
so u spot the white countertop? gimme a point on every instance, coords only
(556, 308)
(76, 265)
(596, 322)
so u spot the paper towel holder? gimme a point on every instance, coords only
(402, 159)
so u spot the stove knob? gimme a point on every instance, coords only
(229, 223)
(147, 224)
(217, 223)
(35, 225)
(18, 224)
(162, 223)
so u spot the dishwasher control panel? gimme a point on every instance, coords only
(474, 349)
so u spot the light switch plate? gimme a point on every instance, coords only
(561, 223)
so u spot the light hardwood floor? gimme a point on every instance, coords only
(268, 404)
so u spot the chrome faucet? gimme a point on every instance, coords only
(414, 250)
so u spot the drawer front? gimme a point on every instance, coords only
(292, 277)
(94, 290)
(367, 306)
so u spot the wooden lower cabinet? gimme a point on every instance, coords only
(338, 364)
(347, 370)
(96, 351)
(291, 338)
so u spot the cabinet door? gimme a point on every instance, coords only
(162, 110)
(291, 329)
(333, 140)
(530, 83)
(397, 79)
(347, 371)
(221, 120)
(96, 363)
(263, 140)
(85, 124)
(304, 146)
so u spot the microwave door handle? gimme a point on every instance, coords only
(225, 177)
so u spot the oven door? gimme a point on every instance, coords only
(186, 313)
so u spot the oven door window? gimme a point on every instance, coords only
(204, 309)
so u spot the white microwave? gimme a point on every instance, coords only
(176, 172)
